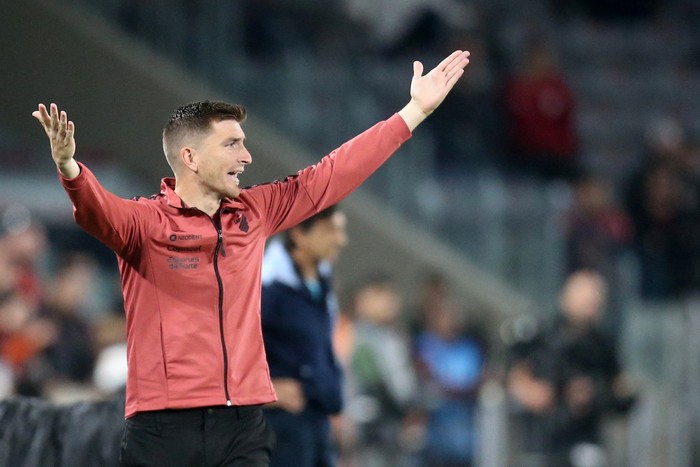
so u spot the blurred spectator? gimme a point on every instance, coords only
(431, 291)
(539, 110)
(597, 229)
(25, 244)
(566, 377)
(663, 199)
(299, 308)
(13, 316)
(22, 335)
(383, 375)
(666, 235)
(598, 234)
(343, 427)
(397, 27)
(22, 338)
(9, 274)
(450, 365)
(71, 356)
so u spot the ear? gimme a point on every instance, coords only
(189, 158)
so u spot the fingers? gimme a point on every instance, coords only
(443, 64)
(452, 67)
(42, 115)
(457, 63)
(62, 123)
(58, 121)
(457, 68)
(452, 60)
(65, 127)
(55, 123)
(452, 80)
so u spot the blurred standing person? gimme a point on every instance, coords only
(567, 376)
(451, 367)
(14, 315)
(23, 337)
(9, 270)
(71, 356)
(385, 385)
(663, 199)
(597, 230)
(8, 279)
(190, 259)
(299, 309)
(598, 236)
(25, 239)
(23, 334)
(539, 110)
(432, 289)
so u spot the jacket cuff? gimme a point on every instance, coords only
(77, 182)
(398, 126)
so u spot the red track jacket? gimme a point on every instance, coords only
(191, 283)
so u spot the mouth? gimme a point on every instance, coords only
(233, 176)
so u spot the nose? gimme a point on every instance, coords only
(246, 157)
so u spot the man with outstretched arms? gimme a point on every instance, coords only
(190, 264)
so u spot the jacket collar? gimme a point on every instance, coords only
(278, 266)
(167, 189)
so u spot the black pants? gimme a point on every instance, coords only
(202, 437)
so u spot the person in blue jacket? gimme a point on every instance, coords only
(298, 313)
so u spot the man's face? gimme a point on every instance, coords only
(221, 157)
(325, 238)
(583, 297)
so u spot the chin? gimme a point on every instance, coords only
(232, 192)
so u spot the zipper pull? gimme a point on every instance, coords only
(221, 242)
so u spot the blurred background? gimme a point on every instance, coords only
(534, 248)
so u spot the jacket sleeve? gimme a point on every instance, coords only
(286, 203)
(112, 220)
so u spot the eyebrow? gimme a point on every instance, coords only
(233, 140)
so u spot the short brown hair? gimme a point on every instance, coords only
(193, 118)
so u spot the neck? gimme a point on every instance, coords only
(195, 197)
(306, 263)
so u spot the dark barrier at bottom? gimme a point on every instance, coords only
(34, 432)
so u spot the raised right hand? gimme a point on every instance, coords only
(61, 136)
(429, 90)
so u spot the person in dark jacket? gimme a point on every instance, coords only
(567, 376)
(298, 312)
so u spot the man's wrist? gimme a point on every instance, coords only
(413, 115)
(69, 169)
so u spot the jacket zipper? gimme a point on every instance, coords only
(219, 248)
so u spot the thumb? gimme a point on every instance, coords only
(417, 69)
